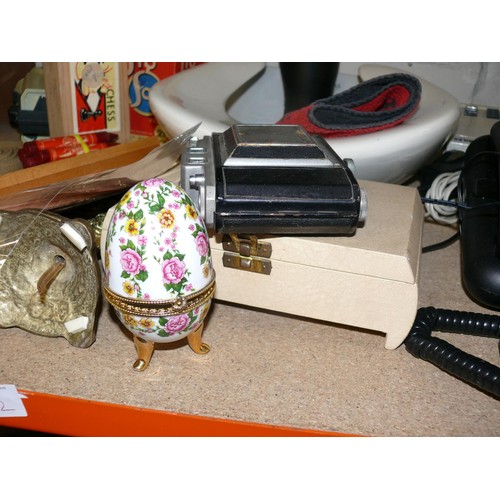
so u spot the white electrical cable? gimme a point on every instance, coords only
(441, 189)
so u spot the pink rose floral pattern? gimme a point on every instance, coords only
(174, 272)
(164, 327)
(132, 245)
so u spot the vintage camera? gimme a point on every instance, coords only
(271, 179)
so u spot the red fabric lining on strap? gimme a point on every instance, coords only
(377, 104)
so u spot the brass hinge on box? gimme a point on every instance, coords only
(247, 253)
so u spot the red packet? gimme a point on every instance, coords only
(141, 78)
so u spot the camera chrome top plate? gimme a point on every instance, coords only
(271, 145)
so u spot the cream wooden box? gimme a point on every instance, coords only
(369, 280)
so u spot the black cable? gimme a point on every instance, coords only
(456, 236)
(467, 367)
(444, 243)
(456, 204)
(441, 244)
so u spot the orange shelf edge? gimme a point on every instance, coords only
(69, 416)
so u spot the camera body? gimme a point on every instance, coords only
(271, 179)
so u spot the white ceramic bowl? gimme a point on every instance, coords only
(218, 95)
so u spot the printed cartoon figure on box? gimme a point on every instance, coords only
(95, 92)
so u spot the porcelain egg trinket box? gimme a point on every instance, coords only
(158, 273)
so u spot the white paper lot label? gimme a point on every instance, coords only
(11, 404)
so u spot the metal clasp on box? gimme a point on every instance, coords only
(247, 253)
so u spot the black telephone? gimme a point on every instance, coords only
(478, 193)
(479, 220)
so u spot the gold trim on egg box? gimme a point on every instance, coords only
(180, 305)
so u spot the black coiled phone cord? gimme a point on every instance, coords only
(467, 367)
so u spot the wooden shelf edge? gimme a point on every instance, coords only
(68, 416)
(69, 168)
